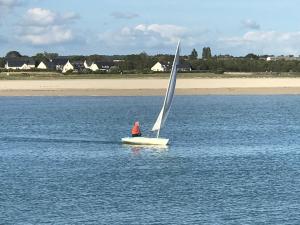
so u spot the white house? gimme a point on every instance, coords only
(271, 58)
(87, 65)
(19, 64)
(102, 66)
(42, 66)
(47, 65)
(67, 67)
(94, 67)
(287, 58)
(159, 67)
(59, 62)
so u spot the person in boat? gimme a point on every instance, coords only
(136, 131)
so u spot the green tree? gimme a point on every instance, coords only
(45, 56)
(2, 62)
(206, 53)
(193, 55)
(251, 56)
(13, 54)
(50, 56)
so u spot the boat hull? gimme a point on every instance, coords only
(145, 141)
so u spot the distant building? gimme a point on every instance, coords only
(161, 67)
(67, 67)
(63, 64)
(118, 60)
(60, 62)
(184, 67)
(272, 58)
(76, 66)
(102, 66)
(19, 63)
(164, 67)
(87, 64)
(42, 66)
(282, 57)
(46, 65)
(96, 66)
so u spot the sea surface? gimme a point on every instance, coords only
(232, 160)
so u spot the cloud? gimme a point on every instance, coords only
(47, 36)
(7, 5)
(45, 27)
(144, 36)
(122, 15)
(45, 17)
(266, 42)
(155, 39)
(250, 24)
(40, 17)
(70, 16)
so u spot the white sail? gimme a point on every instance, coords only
(160, 121)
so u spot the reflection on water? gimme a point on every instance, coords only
(139, 149)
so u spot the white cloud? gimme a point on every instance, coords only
(250, 24)
(7, 5)
(169, 32)
(266, 42)
(155, 38)
(41, 17)
(123, 15)
(45, 27)
(47, 36)
(144, 35)
(38, 16)
(70, 16)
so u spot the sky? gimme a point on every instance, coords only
(112, 27)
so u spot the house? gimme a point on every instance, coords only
(161, 67)
(87, 64)
(102, 66)
(184, 67)
(42, 66)
(76, 66)
(21, 63)
(67, 67)
(46, 65)
(118, 60)
(60, 62)
(286, 58)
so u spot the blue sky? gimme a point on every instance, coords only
(235, 27)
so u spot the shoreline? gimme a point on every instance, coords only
(150, 87)
(153, 92)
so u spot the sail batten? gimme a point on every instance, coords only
(160, 121)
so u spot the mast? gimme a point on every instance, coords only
(157, 135)
(169, 95)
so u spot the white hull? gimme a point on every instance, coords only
(145, 141)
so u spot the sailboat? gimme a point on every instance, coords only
(162, 117)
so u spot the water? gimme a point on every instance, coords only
(233, 160)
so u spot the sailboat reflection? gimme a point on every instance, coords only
(137, 149)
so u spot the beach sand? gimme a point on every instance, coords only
(149, 87)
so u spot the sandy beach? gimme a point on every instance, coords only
(145, 87)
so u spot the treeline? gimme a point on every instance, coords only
(218, 65)
(142, 63)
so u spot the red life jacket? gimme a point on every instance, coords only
(135, 129)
